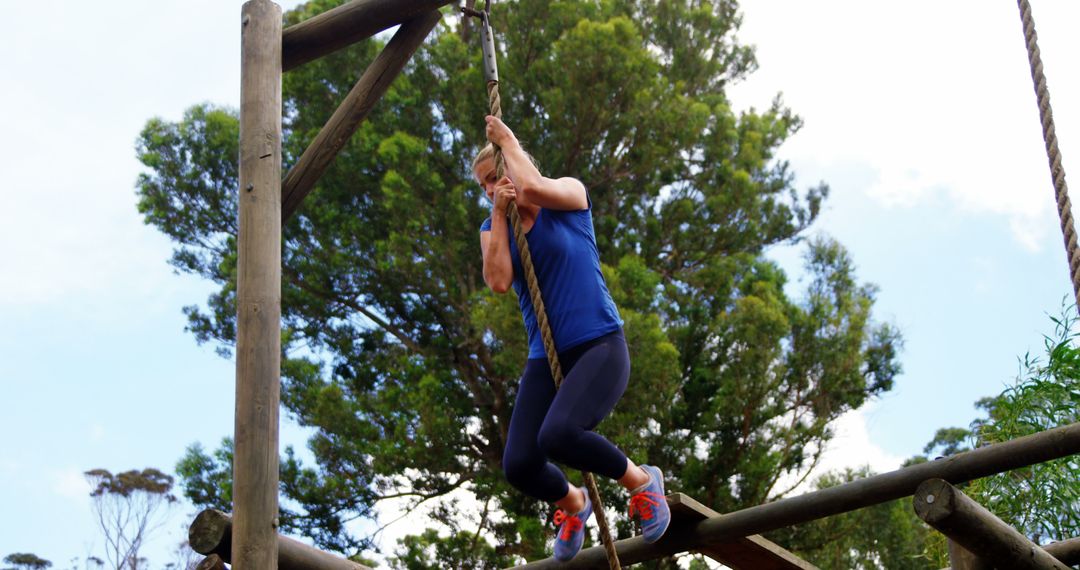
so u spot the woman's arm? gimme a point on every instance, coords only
(553, 193)
(495, 244)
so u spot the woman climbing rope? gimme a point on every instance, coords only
(549, 424)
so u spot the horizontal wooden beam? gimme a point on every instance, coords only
(371, 86)
(345, 25)
(210, 534)
(979, 531)
(984, 461)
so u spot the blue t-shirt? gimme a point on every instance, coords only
(567, 262)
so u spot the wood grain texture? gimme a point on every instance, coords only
(961, 558)
(1067, 551)
(211, 535)
(972, 526)
(258, 301)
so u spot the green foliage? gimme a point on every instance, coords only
(189, 198)
(1043, 500)
(206, 480)
(948, 441)
(429, 550)
(888, 536)
(26, 561)
(405, 365)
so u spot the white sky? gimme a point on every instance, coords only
(920, 115)
(936, 97)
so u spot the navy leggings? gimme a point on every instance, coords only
(549, 425)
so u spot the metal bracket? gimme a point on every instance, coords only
(487, 39)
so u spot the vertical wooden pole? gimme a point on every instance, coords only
(258, 299)
(961, 558)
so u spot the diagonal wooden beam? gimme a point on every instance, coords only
(1067, 551)
(345, 25)
(972, 526)
(982, 462)
(752, 552)
(352, 111)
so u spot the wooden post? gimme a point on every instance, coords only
(352, 111)
(989, 460)
(961, 558)
(258, 298)
(345, 25)
(211, 535)
(968, 523)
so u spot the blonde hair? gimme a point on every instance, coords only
(488, 153)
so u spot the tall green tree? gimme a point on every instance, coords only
(405, 365)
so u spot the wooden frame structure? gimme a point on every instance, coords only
(268, 51)
(982, 535)
(212, 534)
(250, 539)
(714, 531)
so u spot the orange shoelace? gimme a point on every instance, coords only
(573, 524)
(643, 503)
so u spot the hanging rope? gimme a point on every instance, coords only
(1057, 171)
(495, 105)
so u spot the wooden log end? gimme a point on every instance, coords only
(212, 562)
(211, 533)
(934, 500)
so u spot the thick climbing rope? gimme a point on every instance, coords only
(1057, 171)
(495, 105)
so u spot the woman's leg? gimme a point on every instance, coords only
(596, 377)
(634, 477)
(526, 466)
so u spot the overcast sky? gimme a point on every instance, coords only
(920, 116)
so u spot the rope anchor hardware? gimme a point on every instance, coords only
(491, 68)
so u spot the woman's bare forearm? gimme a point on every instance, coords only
(498, 269)
(520, 169)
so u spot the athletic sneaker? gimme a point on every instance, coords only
(571, 534)
(650, 505)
